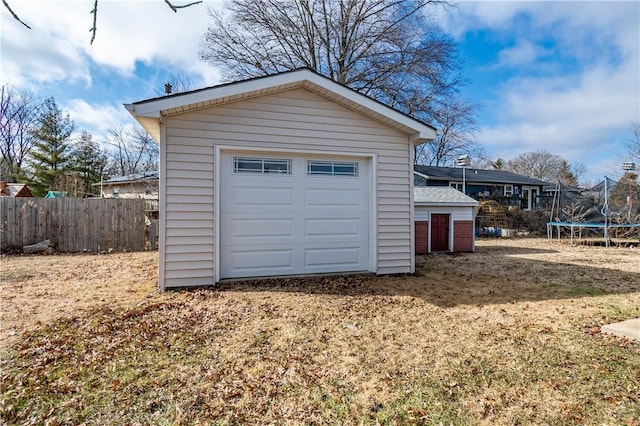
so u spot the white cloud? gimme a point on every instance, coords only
(524, 53)
(30, 57)
(98, 117)
(58, 45)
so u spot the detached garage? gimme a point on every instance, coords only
(287, 174)
(444, 220)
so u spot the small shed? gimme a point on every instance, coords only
(444, 220)
(14, 190)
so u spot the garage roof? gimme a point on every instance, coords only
(149, 112)
(441, 196)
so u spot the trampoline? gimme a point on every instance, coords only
(581, 226)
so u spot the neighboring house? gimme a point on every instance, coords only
(444, 220)
(509, 189)
(14, 190)
(137, 185)
(286, 174)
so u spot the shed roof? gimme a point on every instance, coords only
(476, 175)
(132, 178)
(149, 112)
(442, 196)
(15, 190)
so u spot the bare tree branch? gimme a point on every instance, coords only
(93, 29)
(13, 13)
(94, 12)
(175, 8)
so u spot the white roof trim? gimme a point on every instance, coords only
(441, 196)
(150, 112)
(443, 204)
(421, 175)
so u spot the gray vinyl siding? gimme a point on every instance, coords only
(296, 119)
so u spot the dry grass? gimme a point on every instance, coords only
(508, 335)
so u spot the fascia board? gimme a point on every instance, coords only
(446, 204)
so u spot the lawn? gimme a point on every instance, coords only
(508, 335)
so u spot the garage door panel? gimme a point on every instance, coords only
(333, 197)
(338, 259)
(242, 261)
(259, 228)
(330, 228)
(241, 196)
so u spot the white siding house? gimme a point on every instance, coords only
(281, 175)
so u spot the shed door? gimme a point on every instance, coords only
(439, 232)
(290, 214)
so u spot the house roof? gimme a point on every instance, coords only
(552, 187)
(475, 175)
(150, 112)
(132, 178)
(442, 196)
(16, 190)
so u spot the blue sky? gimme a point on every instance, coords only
(560, 76)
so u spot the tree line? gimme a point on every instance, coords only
(40, 146)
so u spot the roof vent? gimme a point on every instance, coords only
(167, 88)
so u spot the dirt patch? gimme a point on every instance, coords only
(40, 289)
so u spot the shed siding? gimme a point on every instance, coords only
(292, 120)
(463, 236)
(457, 213)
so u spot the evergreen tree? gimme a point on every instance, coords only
(51, 150)
(566, 175)
(627, 189)
(89, 161)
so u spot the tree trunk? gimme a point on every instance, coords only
(42, 246)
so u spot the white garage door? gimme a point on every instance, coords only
(286, 215)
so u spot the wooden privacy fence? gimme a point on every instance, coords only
(73, 224)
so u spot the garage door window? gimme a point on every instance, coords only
(332, 168)
(261, 165)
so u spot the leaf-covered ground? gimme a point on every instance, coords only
(509, 335)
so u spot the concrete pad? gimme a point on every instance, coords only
(629, 329)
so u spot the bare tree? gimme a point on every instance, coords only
(456, 121)
(178, 83)
(383, 49)
(633, 143)
(19, 112)
(131, 151)
(539, 165)
(94, 12)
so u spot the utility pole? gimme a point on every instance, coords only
(464, 161)
(628, 167)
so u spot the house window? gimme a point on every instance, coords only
(508, 190)
(332, 168)
(456, 185)
(261, 165)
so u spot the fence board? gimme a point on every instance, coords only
(73, 224)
